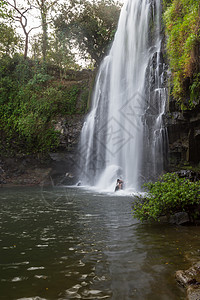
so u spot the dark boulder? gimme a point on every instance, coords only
(179, 218)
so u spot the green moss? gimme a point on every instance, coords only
(183, 29)
(166, 3)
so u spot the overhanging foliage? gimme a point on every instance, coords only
(182, 19)
(167, 196)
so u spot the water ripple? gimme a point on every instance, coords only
(95, 250)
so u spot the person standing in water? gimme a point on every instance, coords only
(119, 185)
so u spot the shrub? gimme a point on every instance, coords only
(169, 195)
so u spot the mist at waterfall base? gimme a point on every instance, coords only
(123, 135)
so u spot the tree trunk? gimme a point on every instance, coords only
(43, 12)
(26, 46)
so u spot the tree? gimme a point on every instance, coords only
(36, 47)
(9, 40)
(3, 9)
(20, 14)
(44, 6)
(90, 25)
(60, 54)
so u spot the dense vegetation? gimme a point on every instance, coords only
(40, 77)
(31, 101)
(182, 19)
(167, 196)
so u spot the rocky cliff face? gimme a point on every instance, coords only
(183, 125)
(184, 136)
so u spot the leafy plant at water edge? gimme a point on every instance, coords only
(169, 195)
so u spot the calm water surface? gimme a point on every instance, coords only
(59, 243)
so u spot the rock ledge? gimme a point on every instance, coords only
(190, 279)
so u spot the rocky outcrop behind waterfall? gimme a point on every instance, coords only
(181, 47)
(184, 136)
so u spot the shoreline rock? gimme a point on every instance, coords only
(54, 168)
(190, 279)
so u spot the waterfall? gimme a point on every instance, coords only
(123, 135)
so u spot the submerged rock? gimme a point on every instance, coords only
(179, 218)
(193, 292)
(190, 279)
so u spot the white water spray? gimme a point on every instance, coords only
(123, 134)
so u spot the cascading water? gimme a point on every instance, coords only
(123, 134)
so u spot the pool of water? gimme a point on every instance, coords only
(69, 243)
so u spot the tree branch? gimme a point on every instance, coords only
(34, 28)
(26, 10)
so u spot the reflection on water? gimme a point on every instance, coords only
(59, 243)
